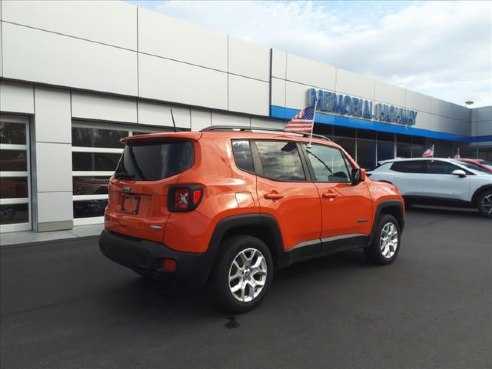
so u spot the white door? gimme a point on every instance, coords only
(440, 182)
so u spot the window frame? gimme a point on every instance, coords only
(259, 167)
(422, 163)
(348, 165)
(254, 162)
(428, 165)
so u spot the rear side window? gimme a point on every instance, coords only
(242, 155)
(154, 160)
(280, 160)
(440, 167)
(417, 166)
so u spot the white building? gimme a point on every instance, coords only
(77, 76)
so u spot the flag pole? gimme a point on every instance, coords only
(312, 127)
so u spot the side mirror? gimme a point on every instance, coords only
(358, 175)
(459, 172)
(363, 174)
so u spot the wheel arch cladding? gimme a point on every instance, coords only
(261, 226)
(393, 208)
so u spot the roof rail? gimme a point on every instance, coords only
(251, 129)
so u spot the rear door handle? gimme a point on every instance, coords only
(273, 196)
(329, 195)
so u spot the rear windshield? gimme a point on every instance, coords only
(154, 160)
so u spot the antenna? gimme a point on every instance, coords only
(174, 123)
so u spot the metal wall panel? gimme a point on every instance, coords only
(267, 123)
(279, 64)
(249, 59)
(178, 40)
(310, 72)
(296, 95)
(53, 116)
(16, 98)
(449, 110)
(53, 167)
(1, 41)
(109, 22)
(200, 119)
(483, 128)
(54, 207)
(160, 115)
(219, 119)
(417, 101)
(354, 85)
(168, 80)
(248, 95)
(278, 92)
(389, 94)
(449, 125)
(45, 57)
(89, 106)
(423, 120)
(483, 114)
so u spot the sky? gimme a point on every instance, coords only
(438, 48)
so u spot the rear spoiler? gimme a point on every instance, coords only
(194, 136)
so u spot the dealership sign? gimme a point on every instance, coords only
(331, 102)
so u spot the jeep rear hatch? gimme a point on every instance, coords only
(138, 191)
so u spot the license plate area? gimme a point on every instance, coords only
(130, 204)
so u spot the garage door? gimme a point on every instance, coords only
(15, 178)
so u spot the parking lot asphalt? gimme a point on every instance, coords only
(63, 305)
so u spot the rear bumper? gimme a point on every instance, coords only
(147, 257)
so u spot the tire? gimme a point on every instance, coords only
(386, 243)
(242, 274)
(484, 203)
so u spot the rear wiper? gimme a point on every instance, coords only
(123, 175)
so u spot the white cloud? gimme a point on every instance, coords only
(443, 49)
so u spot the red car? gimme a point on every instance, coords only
(484, 164)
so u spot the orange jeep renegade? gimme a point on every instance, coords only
(228, 205)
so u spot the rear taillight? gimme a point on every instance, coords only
(185, 198)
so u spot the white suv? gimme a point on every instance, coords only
(438, 181)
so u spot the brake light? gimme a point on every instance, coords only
(185, 198)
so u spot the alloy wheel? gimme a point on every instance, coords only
(486, 204)
(388, 241)
(248, 275)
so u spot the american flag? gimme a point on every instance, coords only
(429, 153)
(302, 122)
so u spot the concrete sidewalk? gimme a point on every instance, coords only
(14, 238)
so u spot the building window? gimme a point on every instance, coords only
(348, 145)
(403, 146)
(15, 179)
(96, 151)
(418, 147)
(386, 146)
(366, 154)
